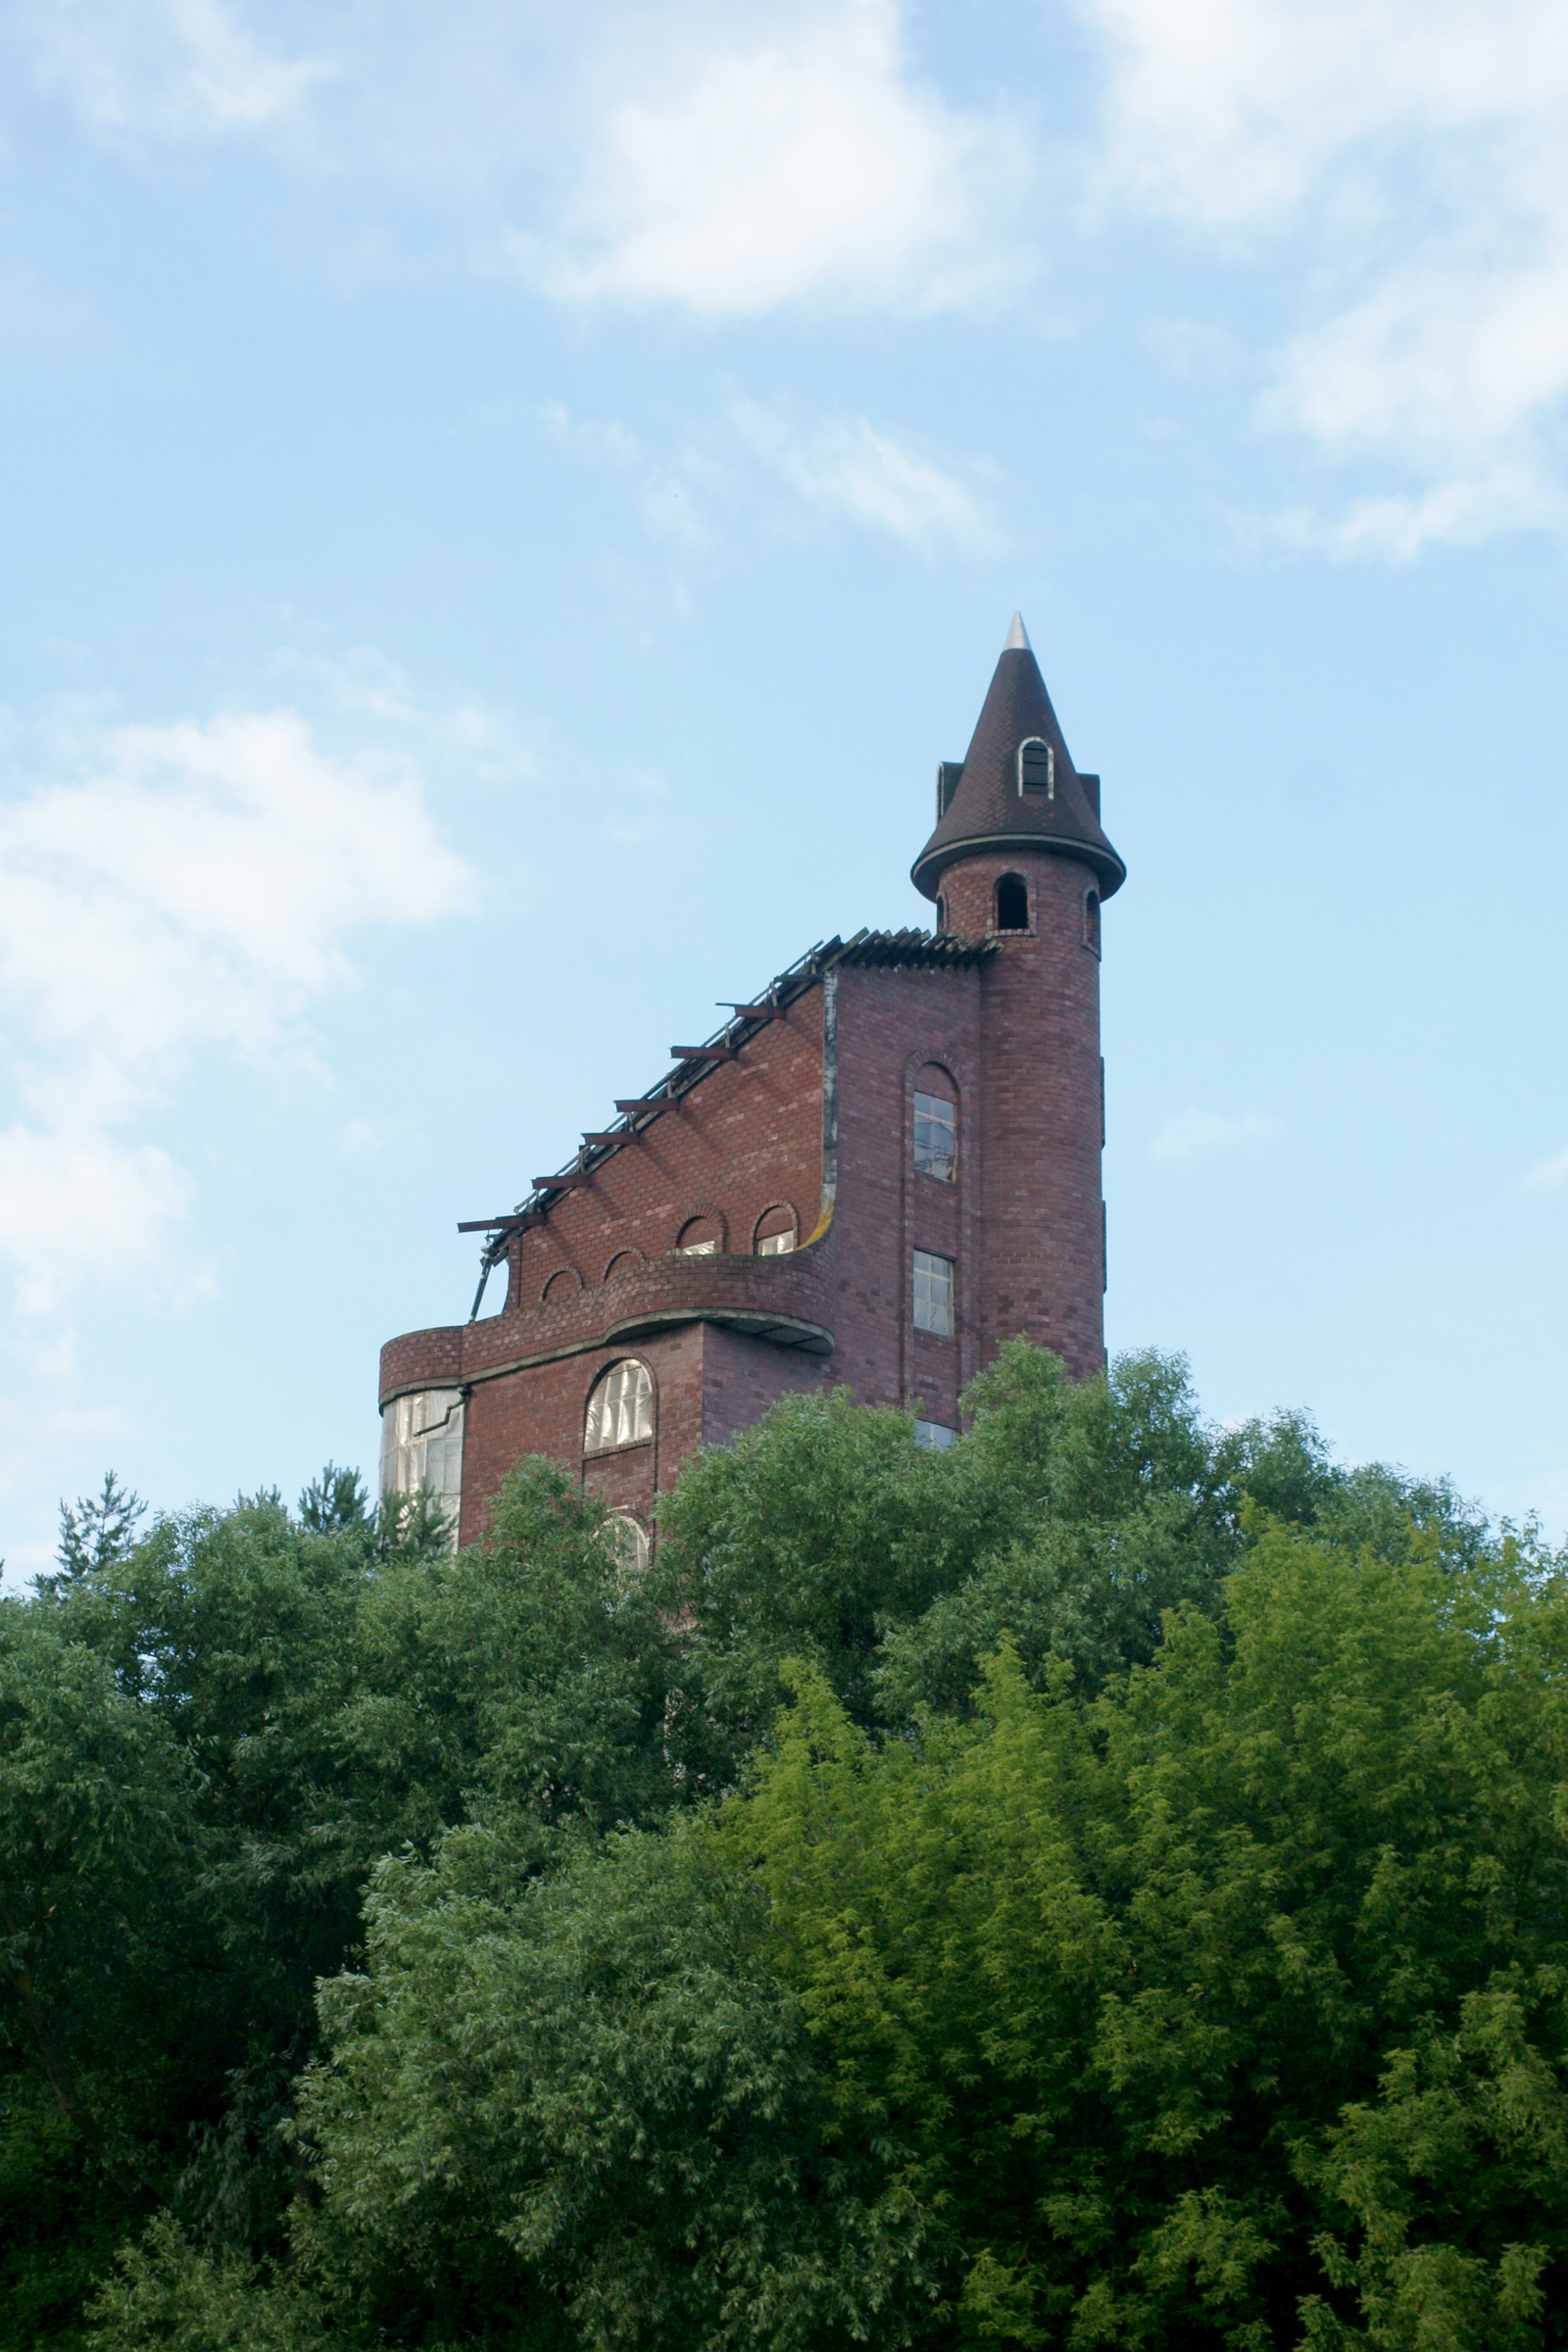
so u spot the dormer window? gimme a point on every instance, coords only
(1036, 767)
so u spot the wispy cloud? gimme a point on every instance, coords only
(166, 69)
(1187, 1134)
(194, 888)
(1407, 156)
(840, 469)
(849, 469)
(1548, 1175)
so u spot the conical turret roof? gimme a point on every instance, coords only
(982, 805)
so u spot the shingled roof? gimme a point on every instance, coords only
(983, 808)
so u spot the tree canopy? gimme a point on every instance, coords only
(1101, 1885)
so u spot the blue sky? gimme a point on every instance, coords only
(504, 508)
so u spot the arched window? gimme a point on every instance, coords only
(1013, 903)
(1092, 919)
(775, 1231)
(700, 1237)
(1037, 768)
(621, 1408)
(941, 915)
(628, 1543)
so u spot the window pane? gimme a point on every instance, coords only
(935, 1136)
(627, 1539)
(696, 1249)
(933, 1292)
(421, 1445)
(775, 1245)
(935, 1434)
(621, 1410)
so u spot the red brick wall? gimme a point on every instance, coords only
(1017, 1035)
(1042, 1264)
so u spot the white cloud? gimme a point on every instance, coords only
(1188, 1133)
(849, 469)
(166, 69)
(1414, 153)
(1548, 1174)
(194, 890)
(786, 159)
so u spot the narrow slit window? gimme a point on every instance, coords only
(933, 1293)
(1092, 920)
(620, 1409)
(936, 1136)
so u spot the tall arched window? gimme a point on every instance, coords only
(621, 1408)
(1013, 903)
(1092, 919)
(935, 1123)
(628, 1543)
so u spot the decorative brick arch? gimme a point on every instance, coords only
(702, 1212)
(625, 1261)
(565, 1282)
(769, 1223)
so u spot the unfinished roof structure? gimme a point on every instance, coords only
(884, 1165)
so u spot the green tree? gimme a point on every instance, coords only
(1227, 2005)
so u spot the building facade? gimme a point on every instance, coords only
(873, 1175)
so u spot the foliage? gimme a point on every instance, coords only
(580, 2108)
(1098, 1885)
(1228, 2003)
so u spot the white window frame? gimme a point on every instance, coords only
(1029, 744)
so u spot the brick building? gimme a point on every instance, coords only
(873, 1174)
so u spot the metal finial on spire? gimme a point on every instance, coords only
(1017, 637)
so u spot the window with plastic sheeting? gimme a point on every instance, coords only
(936, 1136)
(938, 1436)
(620, 1409)
(422, 1446)
(933, 1292)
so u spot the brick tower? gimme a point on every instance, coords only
(882, 1167)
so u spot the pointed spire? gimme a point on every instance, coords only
(997, 799)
